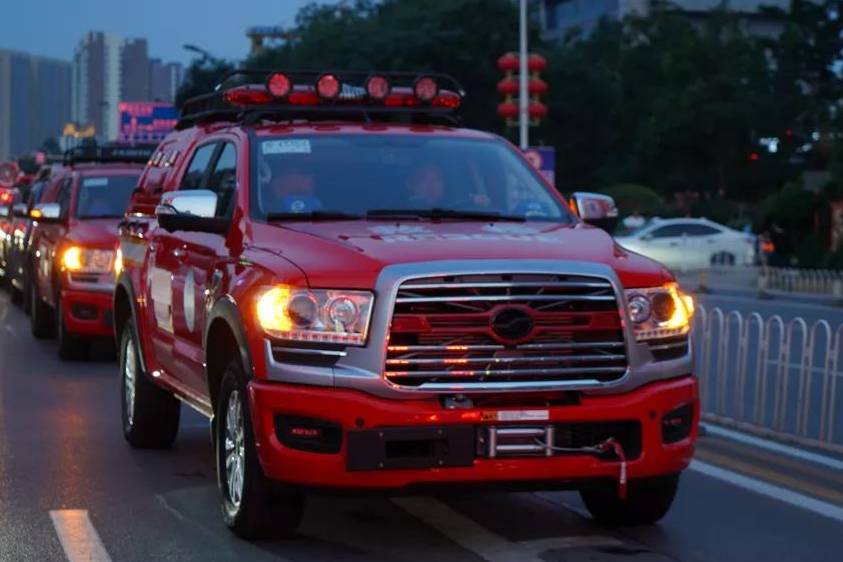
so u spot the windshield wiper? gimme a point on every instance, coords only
(438, 213)
(315, 216)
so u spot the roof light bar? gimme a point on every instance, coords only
(247, 95)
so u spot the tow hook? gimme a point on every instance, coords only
(610, 445)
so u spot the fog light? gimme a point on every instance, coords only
(677, 424)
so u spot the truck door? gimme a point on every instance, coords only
(201, 271)
(165, 258)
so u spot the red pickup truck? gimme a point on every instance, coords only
(363, 296)
(73, 241)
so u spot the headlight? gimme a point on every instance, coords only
(659, 312)
(322, 316)
(77, 259)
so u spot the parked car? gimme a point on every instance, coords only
(74, 242)
(363, 296)
(688, 243)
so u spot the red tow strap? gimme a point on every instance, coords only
(615, 447)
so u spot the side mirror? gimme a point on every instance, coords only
(596, 209)
(191, 210)
(20, 210)
(47, 212)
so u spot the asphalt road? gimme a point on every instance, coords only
(66, 474)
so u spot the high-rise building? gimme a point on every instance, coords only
(97, 82)
(164, 80)
(134, 71)
(557, 17)
(34, 101)
(107, 70)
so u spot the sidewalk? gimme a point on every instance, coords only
(743, 282)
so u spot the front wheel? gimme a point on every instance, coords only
(150, 414)
(41, 319)
(647, 501)
(253, 506)
(70, 347)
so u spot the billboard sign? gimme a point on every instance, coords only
(543, 159)
(146, 122)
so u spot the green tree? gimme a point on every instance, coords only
(201, 77)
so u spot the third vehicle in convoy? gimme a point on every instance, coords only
(364, 296)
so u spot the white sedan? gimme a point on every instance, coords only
(691, 243)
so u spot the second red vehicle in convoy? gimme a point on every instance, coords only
(364, 296)
(73, 244)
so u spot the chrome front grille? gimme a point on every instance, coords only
(446, 333)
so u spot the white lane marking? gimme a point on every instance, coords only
(770, 490)
(773, 446)
(538, 546)
(474, 537)
(79, 539)
(465, 532)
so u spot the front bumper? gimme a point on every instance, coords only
(356, 411)
(88, 312)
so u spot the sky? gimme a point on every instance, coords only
(54, 27)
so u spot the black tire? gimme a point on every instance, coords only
(70, 347)
(42, 318)
(27, 300)
(264, 510)
(16, 294)
(151, 418)
(647, 501)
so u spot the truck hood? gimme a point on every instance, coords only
(351, 254)
(94, 233)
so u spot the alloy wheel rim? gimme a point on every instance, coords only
(129, 375)
(235, 456)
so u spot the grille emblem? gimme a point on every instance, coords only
(512, 324)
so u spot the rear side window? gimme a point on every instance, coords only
(670, 231)
(195, 175)
(223, 179)
(701, 230)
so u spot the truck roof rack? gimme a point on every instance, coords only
(130, 154)
(251, 95)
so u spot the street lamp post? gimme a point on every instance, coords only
(523, 101)
(199, 50)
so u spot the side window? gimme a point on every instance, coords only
(63, 197)
(701, 230)
(35, 194)
(670, 231)
(195, 175)
(223, 179)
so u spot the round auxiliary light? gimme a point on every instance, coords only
(302, 310)
(342, 310)
(663, 307)
(377, 87)
(425, 88)
(279, 85)
(639, 308)
(328, 86)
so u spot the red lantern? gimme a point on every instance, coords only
(537, 87)
(536, 62)
(508, 110)
(508, 62)
(508, 86)
(537, 110)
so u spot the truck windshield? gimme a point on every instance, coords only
(105, 196)
(357, 176)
